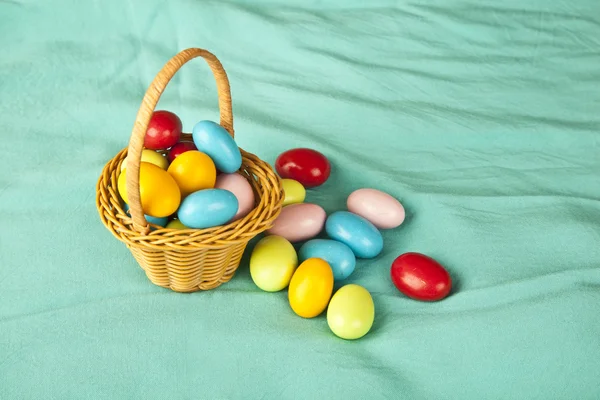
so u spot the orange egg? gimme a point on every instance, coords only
(159, 193)
(311, 287)
(193, 171)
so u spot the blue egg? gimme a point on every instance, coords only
(214, 140)
(340, 257)
(356, 232)
(207, 208)
(160, 221)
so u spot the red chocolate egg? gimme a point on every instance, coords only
(164, 130)
(180, 148)
(420, 277)
(307, 166)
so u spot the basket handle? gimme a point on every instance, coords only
(155, 90)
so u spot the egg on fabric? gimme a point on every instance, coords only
(310, 288)
(214, 140)
(241, 188)
(307, 166)
(294, 192)
(339, 256)
(151, 157)
(159, 193)
(207, 208)
(351, 312)
(193, 171)
(272, 263)
(379, 208)
(356, 232)
(420, 277)
(176, 224)
(298, 222)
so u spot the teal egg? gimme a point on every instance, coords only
(339, 256)
(160, 221)
(356, 232)
(207, 208)
(214, 140)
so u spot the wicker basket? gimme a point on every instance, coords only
(192, 259)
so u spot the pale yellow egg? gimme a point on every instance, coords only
(294, 192)
(152, 157)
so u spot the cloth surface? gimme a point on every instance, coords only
(480, 116)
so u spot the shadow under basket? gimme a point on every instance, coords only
(185, 260)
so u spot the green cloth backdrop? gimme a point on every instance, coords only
(480, 116)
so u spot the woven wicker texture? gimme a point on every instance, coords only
(192, 259)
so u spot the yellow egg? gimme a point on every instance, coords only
(351, 312)
(294, 191)
(159, 193)
(151, 157)
(193, 171)
(176, 224)
(310, 288)
(272, 263)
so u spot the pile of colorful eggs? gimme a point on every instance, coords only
(310, 274)
(195, 185)
(189, 184)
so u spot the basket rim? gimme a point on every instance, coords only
(268, 200)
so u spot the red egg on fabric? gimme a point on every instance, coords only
(164, 130)
(307, 166)
(420, 277)
(180, 148)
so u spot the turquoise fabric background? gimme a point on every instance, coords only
(480, 116)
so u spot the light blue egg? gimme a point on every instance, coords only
(340, 257)
(356, 232)
(160, 221)
(207, 208)
(214, 140)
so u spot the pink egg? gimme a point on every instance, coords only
(379, 208)
(240, 187)
(298, 222)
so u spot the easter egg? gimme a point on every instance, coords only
(214, 140)
(294, 192)
(340, 257)
(151, 157)
(420, 277)
(310, 288)
(356, 232)
(159, 194)
(164, 130)
(307, 166)
(176, 224)
(207, 208)
(180, 148)
(351, 312)
(162, 221)
(193, 171)
(298, 222)
(240, 187)
(272, 263)
(157, 221)
(379, 208)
